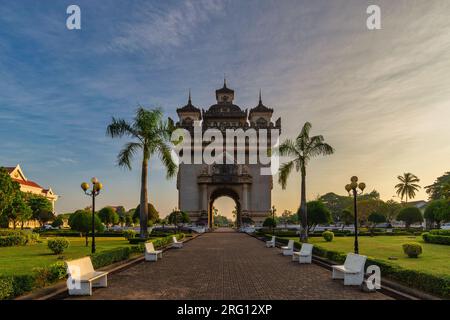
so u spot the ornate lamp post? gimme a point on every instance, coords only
(352, 188)
(95, 191)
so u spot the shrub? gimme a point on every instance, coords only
(129, 234)
(413, 250)
(58, 245)
(13, 240)
(328, 236)
(6, 287)
(429, 237)
(48, 275)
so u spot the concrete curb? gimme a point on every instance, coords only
(389, 287)
(59, 290)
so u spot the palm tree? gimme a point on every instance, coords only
(407, 187)
(151, 135)
(302, 150)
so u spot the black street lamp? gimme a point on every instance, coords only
(96, 187)
(353, 188)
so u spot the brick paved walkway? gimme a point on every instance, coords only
(227, 266)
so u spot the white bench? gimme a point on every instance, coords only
(150, 253)
(352, 271)
(304, 255)
(289, 249)
(176, 243)
(271, 243)
(83, 277)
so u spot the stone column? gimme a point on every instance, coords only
(204, 206)
(245, 197)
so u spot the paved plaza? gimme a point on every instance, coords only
(226, 265)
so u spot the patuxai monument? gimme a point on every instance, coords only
(200, 184)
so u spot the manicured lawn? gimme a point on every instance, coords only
(435, 258)
(22, 259)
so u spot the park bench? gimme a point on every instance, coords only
(304, 255)
(352, 271)
(150, 253)
(271, 243)
(289, 249)
(83, 277)
(176, 243)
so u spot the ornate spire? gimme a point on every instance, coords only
(260, 99)
(189, 100)
(224, 81)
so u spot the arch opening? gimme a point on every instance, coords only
(229, 203)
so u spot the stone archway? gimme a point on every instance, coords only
(224, 192)
(199, 182)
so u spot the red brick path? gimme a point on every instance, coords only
(227, 266)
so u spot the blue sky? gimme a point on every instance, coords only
(381, 98)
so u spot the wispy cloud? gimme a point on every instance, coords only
(158, 27)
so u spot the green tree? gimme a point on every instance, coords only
(221, 221)
(347, 218)
(108, 216)
(176, 217)
(390, 209)
(409, 216)
(408, 186)
(151, 136)
(336, 204)
(270, 223)
(318, 213)
(372, 195)
(301, 150)
(440, 189)
(18, 211)
(437, 211)
(376, 218)
(41, 207)
(8, 190)
(58, 222)
(365, 208)
(81, 221)
(153, 214)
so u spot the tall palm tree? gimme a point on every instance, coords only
(302, 149)
(151, 135)
(408, 186)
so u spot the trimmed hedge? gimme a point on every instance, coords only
(441, 232)
(344, 233)
(108, 257)
(436, 238)
(72, 233)
(161, 242)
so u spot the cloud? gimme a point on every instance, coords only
(156, 27)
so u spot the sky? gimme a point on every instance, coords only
(381, 98)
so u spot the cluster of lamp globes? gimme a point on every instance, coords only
(354, 184)
(96, 186)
